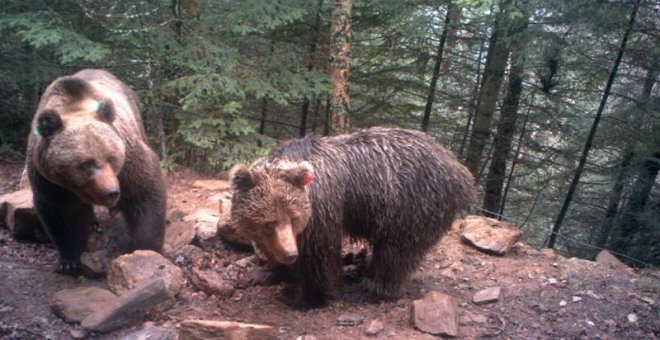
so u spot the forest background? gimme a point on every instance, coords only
(553, 105)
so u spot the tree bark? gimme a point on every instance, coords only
(489, 90)
(594, 127)
(264, 115)
(436, 68)
(310, 66)
(340, 37)
(505, 129)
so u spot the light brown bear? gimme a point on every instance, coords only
(88, 147)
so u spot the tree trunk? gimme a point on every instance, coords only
(436, 68)
(264, 114)
(594, 127)
(505, 129)
(340, 37)
(489, 90)
(149, 78)
(474, 102)
(623, 169)
(310, 66)
(517, 154)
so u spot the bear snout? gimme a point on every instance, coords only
(111, 197)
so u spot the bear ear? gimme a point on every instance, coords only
(298, 174)
(48, 123)
(241, 178)
(106, 110)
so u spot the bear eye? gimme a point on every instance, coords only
(111, 159)
(271, 224)
(86, 165)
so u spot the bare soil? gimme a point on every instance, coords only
(536, 302)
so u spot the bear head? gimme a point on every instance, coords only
(78, 147)
(271, 206)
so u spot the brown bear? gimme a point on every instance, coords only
(88, 147)
(393, 188)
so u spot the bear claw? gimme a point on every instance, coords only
(69, 267)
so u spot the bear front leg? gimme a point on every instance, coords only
(67, 221)
(145, 218)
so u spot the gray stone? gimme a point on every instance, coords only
(350, 319)
(94, 264)
(489, 235)
(152, 333)
(131, 308)
(140, 268)
(18, 214)
(436, 314)
(210, 329)
(190, 252)
(206, 226)
(177, 235)
(74, 305)
(487, 295)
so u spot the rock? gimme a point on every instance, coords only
(487, 295)
(436, 314)
(306, 337)
(74, 305)
(152, 333)
(131, 308)
(211, 283)
(210, 329)
(177, 235)
(374, 328)
(632, 317)
(227, 230)
(576, 298)
(140, 268)
(95, 265)
(212, 185)
(190, 252)
(489, 235)
(176, 215)
(18, 214)
(78, 333)
(206, 226)
(350, 319)
(577, 271)
(607, 259)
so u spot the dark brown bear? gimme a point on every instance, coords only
(88, 147)
(394, 188)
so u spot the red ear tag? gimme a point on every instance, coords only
(308, 179)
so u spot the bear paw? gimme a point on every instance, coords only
(260, 276)
(70, 267)
(368, 290)
(296, 297)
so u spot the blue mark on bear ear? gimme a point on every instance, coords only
(36, 131)
(105, 109)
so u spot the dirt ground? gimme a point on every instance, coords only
(536, 302)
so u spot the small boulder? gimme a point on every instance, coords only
(74, 305)
(177, 235)
(95, 264)
(18, 214)
(210, 329)
(206, 226)
(374, 328)
(350, 319)
(436, 313)
(489, 235)
(228, 230)
(211, 283)
(152, 333)
(140, 268)
(577, 270)
(190, 252)
(609, 260)
(131, 308)
(487, 295)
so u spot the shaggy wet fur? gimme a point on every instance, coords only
(87, 145)
(394, 188)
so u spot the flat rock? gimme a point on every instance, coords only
(609, 260)
(212, 184)
(190, 252)
(487, 295)
(177, 235)
(130, 308)
(489, 235)
(211, 283)
(131, 271)
(152, 333)
(18, 214)
(350, 319)
(74, 305)
(210, 329)
(436, 313)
